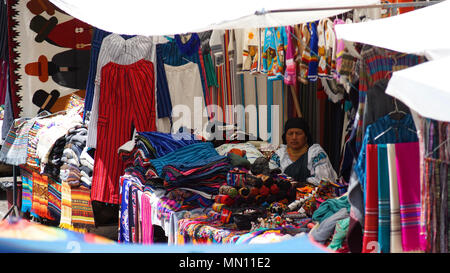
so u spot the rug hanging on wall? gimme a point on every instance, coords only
(49, 56)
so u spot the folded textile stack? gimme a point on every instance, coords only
(71, 157)
(203, 177)
(86, 166)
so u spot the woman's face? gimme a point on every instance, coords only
(295, 138)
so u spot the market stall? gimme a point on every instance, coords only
(187, 130)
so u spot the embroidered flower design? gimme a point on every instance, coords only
(251, 35)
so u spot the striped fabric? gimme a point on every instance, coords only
(408, 171)
(146, 211)
(377, 64)
(39, 204)
(185, 154)
(14, 148)
(164, 143)
(120, 51)
(399, 134)
(395, 229)
(96, 43)
(66, 206)
(32, 157)
(54, 198)
(384, 214)
(27, 189)
(128, 98)
(370, 236)
(82, 214)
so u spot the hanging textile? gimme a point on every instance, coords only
(41, 42)
(434, 185)
(384, 216)
(121, 51)
(395, 228)
(408, 177)
(120, 97)
(370, 237)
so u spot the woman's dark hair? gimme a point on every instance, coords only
(298, 123)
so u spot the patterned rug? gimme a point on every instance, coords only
(49, 56)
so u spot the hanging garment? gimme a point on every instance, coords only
(291, 69)
(370, 237)
(118, 50)
(384, 216)
(395, 229)
(314, 55)
(408, 171)
(27, 189)
(273, 54)
(146, 212)
(127, 98)
(188, 104)
(96, 43)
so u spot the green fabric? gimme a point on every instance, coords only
(330, 207)
(210, 71)
(340, 234)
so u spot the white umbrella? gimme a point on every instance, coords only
(144, 17)
(424, 88)
(423, 31)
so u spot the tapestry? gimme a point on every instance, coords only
(49, 56)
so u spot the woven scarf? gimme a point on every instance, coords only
(123, 213)
(54, 198)
(146, 214)
(384, 216)
(370, 236)
(14, 149)
(395, 233)
(408, 177)
(40, 195)
(82, 214)
(27, 189)
(66, 206)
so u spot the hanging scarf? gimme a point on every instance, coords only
(395, 227)
(54, 198)
(27, 189)
(370, 237)
(40, 195)
(146, 212)
(66, 207)
(407, 162)
(384, 223)
(82, 213)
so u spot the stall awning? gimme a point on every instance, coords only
(422, 31)
(168, 17)
(424, 88)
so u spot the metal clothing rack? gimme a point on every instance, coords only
(386, 5)
(14, 208)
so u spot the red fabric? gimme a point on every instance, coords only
(370, 236)
(127, 97)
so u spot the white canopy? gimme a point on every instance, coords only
(423, 31)
(167, 17)
(424, 88)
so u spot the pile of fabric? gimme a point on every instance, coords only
(193, 174)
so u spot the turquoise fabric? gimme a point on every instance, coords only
(330, 207)
(186, 154)
(384, 213)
